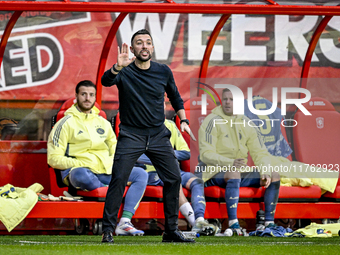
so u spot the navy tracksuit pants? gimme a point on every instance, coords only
(158, 148)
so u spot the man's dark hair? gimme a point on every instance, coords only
(141, 32)
(225, 90)
(85, 83)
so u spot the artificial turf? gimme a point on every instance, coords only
(90, 244)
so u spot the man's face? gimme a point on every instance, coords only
(227, 103)
(86, 98)
(142, 47)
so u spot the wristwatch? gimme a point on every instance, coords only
(184, 120)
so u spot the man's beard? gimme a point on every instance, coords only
(83, 108)
(140, 58)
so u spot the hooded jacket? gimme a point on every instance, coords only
(82, 140)
(223, 138)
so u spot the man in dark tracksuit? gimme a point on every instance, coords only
(142, 84)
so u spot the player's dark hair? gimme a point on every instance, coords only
(141, 32)
(85, 83)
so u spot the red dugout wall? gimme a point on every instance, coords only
(48, 52)
(47, 47)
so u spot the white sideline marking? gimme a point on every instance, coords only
(205, 244)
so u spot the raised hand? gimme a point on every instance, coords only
(123, 57)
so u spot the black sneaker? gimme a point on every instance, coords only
(107, 237)
(204, 228)
(176, 237)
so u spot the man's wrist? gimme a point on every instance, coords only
(184, 120)
(114, 69)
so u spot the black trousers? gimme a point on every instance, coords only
(158, 148)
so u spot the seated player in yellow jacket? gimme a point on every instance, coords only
(82, 145)
(224, 142)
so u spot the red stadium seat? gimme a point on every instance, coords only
(335, 196)
(58, 187)
(295, 193)
(247, 194)
(299, 194)
(116, 121)
(155, 193)
(316, 137)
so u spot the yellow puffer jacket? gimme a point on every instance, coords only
(82, 140)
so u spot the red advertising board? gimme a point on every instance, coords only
(48, 53)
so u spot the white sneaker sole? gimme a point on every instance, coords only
(129, 234)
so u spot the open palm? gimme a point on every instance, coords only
(123, 56)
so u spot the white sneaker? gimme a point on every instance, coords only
(237, 230)
(204, 228)
(260, 227)
(127, 229)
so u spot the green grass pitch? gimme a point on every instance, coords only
(90, 244)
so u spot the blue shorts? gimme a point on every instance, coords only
(154, 179)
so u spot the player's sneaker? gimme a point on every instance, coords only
(176, 237)
(262, 227)
(237, 230)
(127, 229)
(204, 228)
(107, 237)
(271, 225)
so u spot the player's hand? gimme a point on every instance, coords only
(239, 162)
(185, 127)
(265, 180)
(123, 57)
